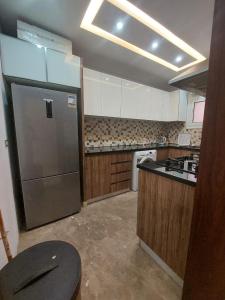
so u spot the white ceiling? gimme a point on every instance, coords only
(191, 20)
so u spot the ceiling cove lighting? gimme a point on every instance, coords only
(148, 21)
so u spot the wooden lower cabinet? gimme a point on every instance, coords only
(106, 174)
(97, 179)
(172, 153)
(162, 154)
(165, 208)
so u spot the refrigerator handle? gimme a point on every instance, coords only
(48, 103)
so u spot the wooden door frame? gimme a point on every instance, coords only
(205, 271)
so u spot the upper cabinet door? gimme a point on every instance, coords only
(111, 95)
(130, 97)
(168, 109)
(22, 59)
(92, 105)
(63, 69)
(177, 108)
(143, 103)
(155, 108)
(182, 112)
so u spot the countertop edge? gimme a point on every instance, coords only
(152, 170)
(99, 150)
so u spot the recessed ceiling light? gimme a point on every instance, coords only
(106, 78)
(179, 58)
(154, 45)
(119, 25)
(136, 13)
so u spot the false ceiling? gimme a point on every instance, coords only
(190, 20)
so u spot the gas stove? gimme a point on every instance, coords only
(186, 164)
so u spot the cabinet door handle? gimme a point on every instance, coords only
(48, 103)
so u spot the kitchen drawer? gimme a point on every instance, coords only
(121, 167)
(121, 157)
(115, 178)
(120, 186)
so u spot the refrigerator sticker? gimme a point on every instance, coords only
(72, 102)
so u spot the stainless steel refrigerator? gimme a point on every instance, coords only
(46, 128)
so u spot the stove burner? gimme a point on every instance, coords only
(182, 164)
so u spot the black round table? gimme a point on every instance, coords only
(46, 271)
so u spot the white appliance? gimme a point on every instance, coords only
(184, 139)
(140, 156)
(38, 36)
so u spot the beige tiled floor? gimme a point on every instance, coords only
(113, 265)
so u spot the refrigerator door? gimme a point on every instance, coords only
(51, 198)
(46, 131)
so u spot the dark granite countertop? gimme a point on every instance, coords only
(105, 149)
(183, 177)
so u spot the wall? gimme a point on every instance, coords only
(7, 204)
(174, 128)
(111, 131)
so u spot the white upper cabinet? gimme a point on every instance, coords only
(183, 104)
(143, 104)
(63, 69)
(167, 108)
(178, 105)
(106, 95)
(110, 95)
(22, 59)
(130, 97)
(92, 104)
(156, 101)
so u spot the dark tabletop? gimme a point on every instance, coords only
(175, 175)
(59, 284)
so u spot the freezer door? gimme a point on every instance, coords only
(51, 198)
(46, 131)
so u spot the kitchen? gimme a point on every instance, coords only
(101, 134)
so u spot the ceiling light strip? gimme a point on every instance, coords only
(145, 19)
(92, 11)
(94, 7)
(96, 30)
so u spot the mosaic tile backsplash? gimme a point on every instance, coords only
(110, 131)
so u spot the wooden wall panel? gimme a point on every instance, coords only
(164, 218)
(205, 274)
